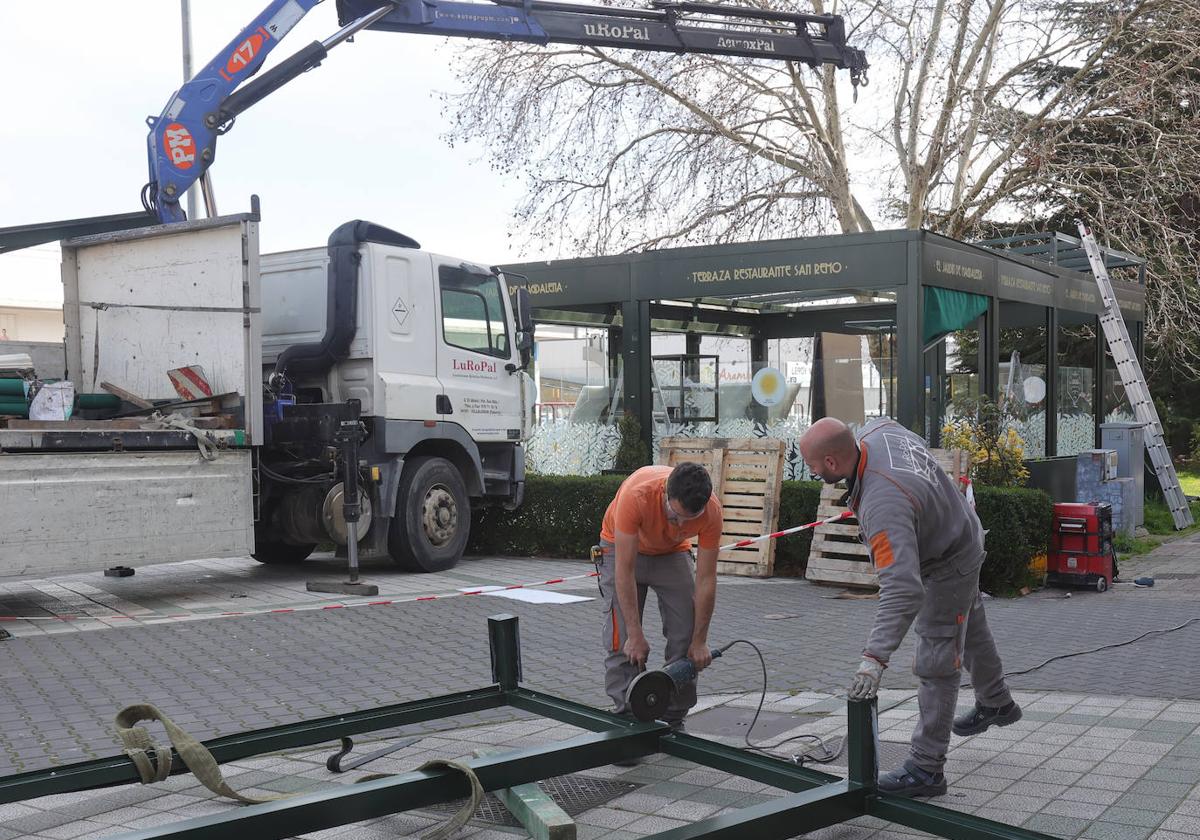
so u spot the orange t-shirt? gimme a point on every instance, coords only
(640, 507)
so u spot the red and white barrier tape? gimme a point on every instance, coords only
(378, 602)
(846, 514)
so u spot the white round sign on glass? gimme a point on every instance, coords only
(1035, 389)
(768, 386)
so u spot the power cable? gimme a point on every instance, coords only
(1157, 632)
(826, 755)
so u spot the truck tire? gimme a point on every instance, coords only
(433, 516)
(280, 554)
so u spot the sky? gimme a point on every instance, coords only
(358, 137)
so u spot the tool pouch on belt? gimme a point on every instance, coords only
(597, 559)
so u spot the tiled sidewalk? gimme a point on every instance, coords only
(1095, 768)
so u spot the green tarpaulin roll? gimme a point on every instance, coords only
(97, 401)
(12, 388)
(12, 394)
(947, 310)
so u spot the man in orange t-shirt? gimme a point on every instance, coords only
(646, 544)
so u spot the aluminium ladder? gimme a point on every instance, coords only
(1138, 392)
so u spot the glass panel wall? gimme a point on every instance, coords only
(579, 402)
(704, 394)
(1116, 402)
(1024, 350)
(1076, 391)
(962, 369)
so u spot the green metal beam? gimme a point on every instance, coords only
(861, 757)
(769, 770)
(1052, 328)
(120, 770)
(817, 799)
(533, 808)
(807, 322)
(665, 325)
(787, 816)
(23, 236)
(567, 711)
(504, 642)
(726, 317)
(344, 804)
(945, 822)
(636, 349)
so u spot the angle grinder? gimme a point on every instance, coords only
(651, 692)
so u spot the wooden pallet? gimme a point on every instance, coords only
(747, 476)
(837, 555)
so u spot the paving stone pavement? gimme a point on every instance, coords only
(227, 675)
(1120, 775)
(60, 684)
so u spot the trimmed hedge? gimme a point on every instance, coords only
(797, 505)
(561, 517)
(1018, 522)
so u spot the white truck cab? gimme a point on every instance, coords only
(424, 353)
(434, 358)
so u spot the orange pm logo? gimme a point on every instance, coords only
(244, 54)
(179, 146)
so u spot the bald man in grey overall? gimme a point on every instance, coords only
(927, 547)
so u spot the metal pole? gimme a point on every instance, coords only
(210, 198)
(862, 736)
(350, 505)
(185, 8)
(504, 640)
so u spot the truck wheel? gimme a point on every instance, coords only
(433, 516)
(281, 554)
(1101, 585)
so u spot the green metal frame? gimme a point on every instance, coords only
(815, 800)
(676, 289)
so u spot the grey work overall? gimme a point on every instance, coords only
(673, 579)
(927, 545)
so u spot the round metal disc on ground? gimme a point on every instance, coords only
(649, 695)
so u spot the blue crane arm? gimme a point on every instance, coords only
(717, 29)
(182, 140)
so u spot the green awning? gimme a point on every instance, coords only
(947, 310)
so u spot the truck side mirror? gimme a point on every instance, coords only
(525, 329)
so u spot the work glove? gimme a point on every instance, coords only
(866, 679)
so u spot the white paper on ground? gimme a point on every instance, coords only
(529, 596)
(538, 596)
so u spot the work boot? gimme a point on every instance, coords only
(910, 780)
(981, 718)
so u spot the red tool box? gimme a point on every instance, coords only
(1081, 546)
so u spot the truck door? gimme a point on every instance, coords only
(475, 345)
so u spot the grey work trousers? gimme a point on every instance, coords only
(673, 579)
(952, 633)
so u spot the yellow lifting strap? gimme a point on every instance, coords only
(153, 763)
